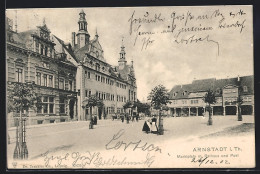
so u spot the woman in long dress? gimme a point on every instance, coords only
(146, 127)
(154, 128)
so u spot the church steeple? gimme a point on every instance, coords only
(82, 35)
(122, 61)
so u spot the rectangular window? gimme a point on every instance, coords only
(44, 79)
(66, 85)
(70, 85)
(62, 105)
(47, 105)
(50, 81)
(89, 75)
(41, 49)
(37, 47)
(45, 99)
(46, 51)
(89, 93)
(19, 75)
(86, 93)
(45, 108)
(50, 52)
(39, 109)
(61, 84)
(38, 78)
(51, 105)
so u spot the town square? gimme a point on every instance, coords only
(144, 87)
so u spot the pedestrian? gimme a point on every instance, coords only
(122, 118)
(154, 128)
(95, 120)
(146, 127)
(127, 118)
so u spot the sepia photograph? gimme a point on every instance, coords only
(130, 87)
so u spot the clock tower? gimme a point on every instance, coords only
(82, 35)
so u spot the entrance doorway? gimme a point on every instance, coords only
(246, 110)
(200, 111)
(87, 113)
(231, 110)
(71, 108)
(99, 113)
(218, 110)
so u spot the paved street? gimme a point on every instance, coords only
(76, 136)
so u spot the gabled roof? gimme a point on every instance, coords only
(213, 84)
(249, 82)
(123, 72)
(67, 49)
(81, 53)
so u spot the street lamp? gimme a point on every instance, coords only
(21, 150)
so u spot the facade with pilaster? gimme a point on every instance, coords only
(187, 100)
(32, 56)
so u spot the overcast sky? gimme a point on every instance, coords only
(220, 52)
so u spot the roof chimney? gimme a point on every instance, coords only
(73, 39)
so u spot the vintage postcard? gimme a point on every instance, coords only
(130, 87)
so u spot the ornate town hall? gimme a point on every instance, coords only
(115, 85)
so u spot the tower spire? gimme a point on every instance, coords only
(122, 52)
(82, 35)
(82, 21)
(96, 33)
(122, 61)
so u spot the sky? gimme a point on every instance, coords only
(201, 42)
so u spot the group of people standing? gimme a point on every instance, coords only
(128, 117)
(150, 125)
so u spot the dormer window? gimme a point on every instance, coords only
(245, 89)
